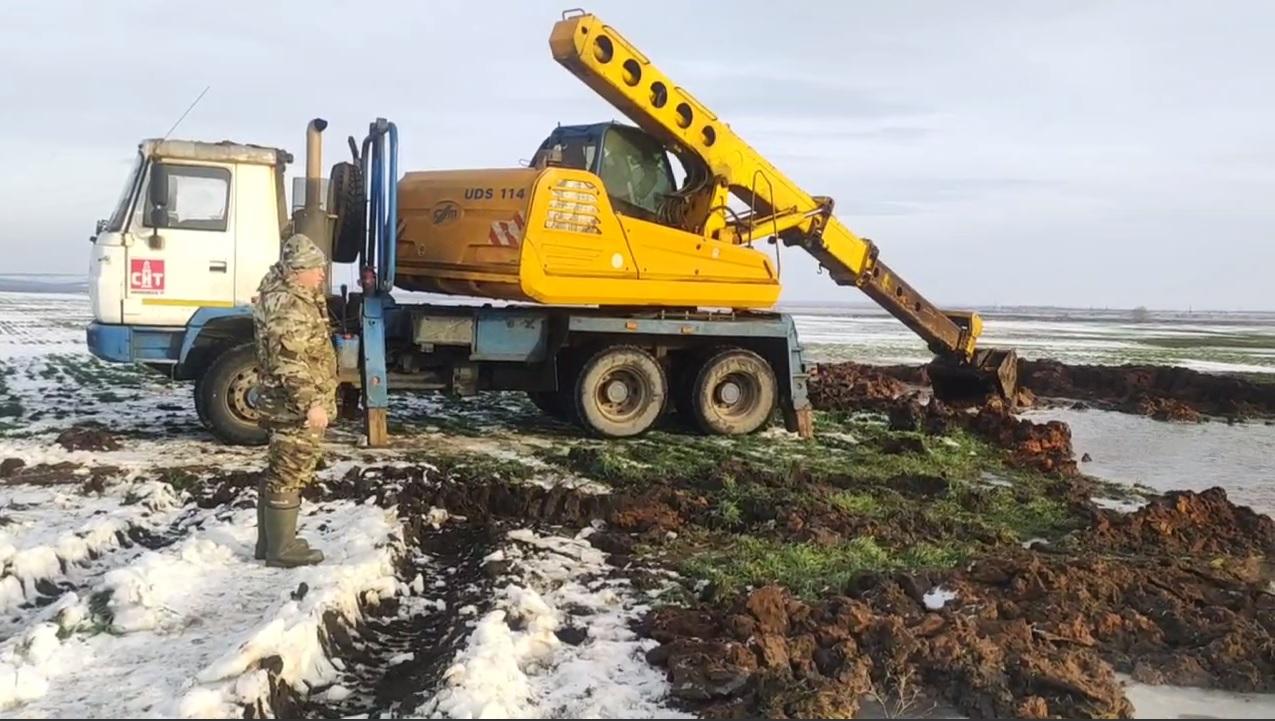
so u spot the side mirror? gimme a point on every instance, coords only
(157, 191)
(159, 184)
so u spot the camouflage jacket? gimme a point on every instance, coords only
(294, 349)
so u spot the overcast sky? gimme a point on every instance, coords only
(1067, 153)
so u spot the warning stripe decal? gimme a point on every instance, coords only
(506, 233)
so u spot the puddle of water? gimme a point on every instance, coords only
(1174, 456)
(1179, 702)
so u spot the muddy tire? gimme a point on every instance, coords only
(226, 391)
(734, 393)
(620, 392)
(201, 409)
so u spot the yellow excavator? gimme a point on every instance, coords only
(600, 218)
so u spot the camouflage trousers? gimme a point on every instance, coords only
(292, 458)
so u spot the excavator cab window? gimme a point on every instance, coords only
(636, 172)
(633, 166)
(574, 147)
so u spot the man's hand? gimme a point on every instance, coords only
(316, 418)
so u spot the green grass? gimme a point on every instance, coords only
(859, 504)
(845, 447)
(1197, 342)
(1016, 513)
(10, 407)
(737, 562)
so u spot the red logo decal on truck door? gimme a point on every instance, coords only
(146, 275)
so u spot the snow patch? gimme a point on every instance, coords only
(191, 623)
(937, 598)
(514, 665)
(1119, 505)
(38, 546)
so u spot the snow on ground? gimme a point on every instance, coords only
(937, 598)
(179, 631)
(516, 666)
(49, 534)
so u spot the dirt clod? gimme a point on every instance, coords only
(9, 466)
(854, 386)
(1045, 447)
(87, 438)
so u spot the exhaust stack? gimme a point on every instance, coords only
(311, 219)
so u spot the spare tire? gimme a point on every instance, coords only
(347, 200)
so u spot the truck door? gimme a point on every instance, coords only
(182, 255)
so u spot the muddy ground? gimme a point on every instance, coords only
(908, 578)
(1177, 592)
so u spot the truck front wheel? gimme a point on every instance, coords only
(226, 394)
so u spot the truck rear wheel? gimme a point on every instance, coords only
(733, 393)
(227, 392)
(620, 392)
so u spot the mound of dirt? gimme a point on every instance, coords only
(476, 497)
(1184, 622)
(1021, 633)
(853, 386)
(1045, 447)
(1164, 392)
(780, 657)
(1186, 523)
(88, 438)
(1166, 409)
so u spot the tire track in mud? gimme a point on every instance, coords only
(396, 657)
(511, 566)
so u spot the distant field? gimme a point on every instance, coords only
(1207, 341)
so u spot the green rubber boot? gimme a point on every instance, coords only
(283, 548)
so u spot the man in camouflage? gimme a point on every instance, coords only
(298, 393)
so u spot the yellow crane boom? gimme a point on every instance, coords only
(617, 70)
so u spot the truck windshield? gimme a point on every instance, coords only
(116, 223)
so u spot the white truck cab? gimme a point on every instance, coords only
(196, 226)
(173, 271)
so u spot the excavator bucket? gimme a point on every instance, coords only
(992, 372)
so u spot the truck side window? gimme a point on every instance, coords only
(198, 197)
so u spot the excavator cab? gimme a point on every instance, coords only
(633, 166)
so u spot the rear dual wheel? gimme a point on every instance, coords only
(732, 393)
(622, 391)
